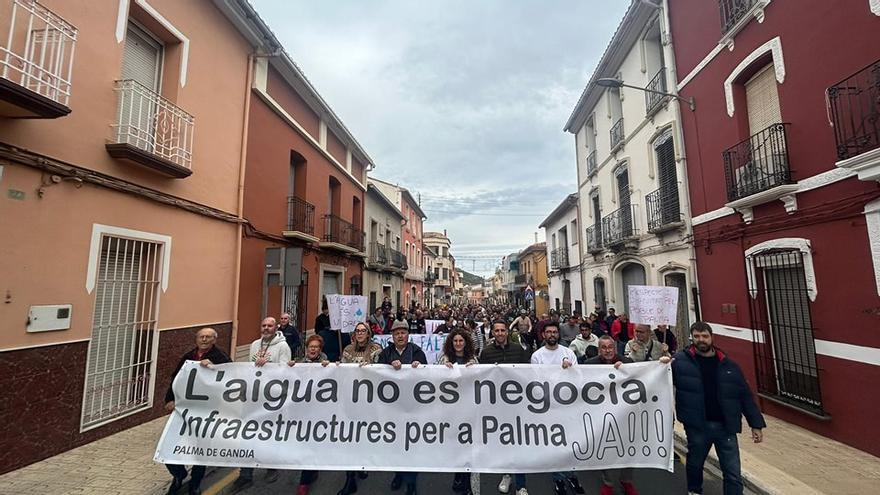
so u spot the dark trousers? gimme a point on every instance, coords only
(307, 477)
(408, 478)
(179, 472)
(699, 441)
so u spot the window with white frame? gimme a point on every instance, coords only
(121, 360)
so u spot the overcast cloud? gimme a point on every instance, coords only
(462, 102)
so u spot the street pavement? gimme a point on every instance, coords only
(648, 482)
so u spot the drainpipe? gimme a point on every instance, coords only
(242, 160)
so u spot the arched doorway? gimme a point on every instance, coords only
(631, 274)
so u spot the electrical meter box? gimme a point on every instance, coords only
(49, 317)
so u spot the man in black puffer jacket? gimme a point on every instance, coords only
(711, 396)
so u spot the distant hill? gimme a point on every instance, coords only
(469, 278)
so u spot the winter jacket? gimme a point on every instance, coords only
(214, 354)
(616, 330)
(276, 352)
(585, 347)
(291, 335)
(410, 353)
(598, 360)
(509, 353)
(734, 394)
(651, 351)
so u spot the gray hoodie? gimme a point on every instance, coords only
(277, 351)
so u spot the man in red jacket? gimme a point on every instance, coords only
(622, 330)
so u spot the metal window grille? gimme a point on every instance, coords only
(657, 83)
(122, 350)
(616, 132)
(38, 50)
(662, 204)
(784, 346)
(300, 215)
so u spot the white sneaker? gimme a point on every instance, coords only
(522, 491)
(504, 486)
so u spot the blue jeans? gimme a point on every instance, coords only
(699, 442)
(563, 475)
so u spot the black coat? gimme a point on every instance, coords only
(598, 360)
(510, 353)
(734, 394)
(410, 353)
(215, 355)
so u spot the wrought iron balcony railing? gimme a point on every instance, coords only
(430, 278)
(594, 238)
(342, 232)
(592, 164)
(619, 225)
(757, 164)
(37, 53)
(300, 215)
(855, 110)
(378, 254)
(397, 259)
(153, 124)
(559, 258)
(663, 208)
(658, 83)
(617, 135)
(732, 11)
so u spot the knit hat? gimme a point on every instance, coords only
(399, 324)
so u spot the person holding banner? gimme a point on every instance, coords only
(622, 330)
(554, 353)
(667, 339)
(207, 353)
(608, 355)
(362, 351)
(398, 353)
(459, 349)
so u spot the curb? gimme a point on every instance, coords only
(750, 482)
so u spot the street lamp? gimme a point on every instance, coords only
(611, 82)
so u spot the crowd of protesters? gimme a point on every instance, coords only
(711, 392)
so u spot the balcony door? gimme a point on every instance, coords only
(626, 220)
(668, 178)
(142, 64)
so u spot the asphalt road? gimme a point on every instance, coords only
(648, 482)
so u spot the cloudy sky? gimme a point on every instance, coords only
(462, 102)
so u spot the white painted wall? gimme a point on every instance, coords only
(573, 274)
(658, 254)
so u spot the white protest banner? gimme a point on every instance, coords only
(346, 311)
(431, 325)
(484, 418)
(653, 305)
(431, 344)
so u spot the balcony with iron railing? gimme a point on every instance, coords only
(758, 164)
(592, 164)
(151, 131)
(36, 61)
(414, 272)
(619, 226)
(664, 212)
(342, 235)
(300, 219)
(378, 256)
(559, 258)
(430, 278)
(654, 101)
(594, 238)
(617, 135)
(733, 11)
(855, 111)
(397, 260)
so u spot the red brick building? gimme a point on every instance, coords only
(783, 165)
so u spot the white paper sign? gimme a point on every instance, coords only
(346, 311)
(431, 325)
(653, 305)
(506, 418)
(432, 344)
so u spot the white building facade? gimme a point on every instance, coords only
(385, 263)
(632, 186)
(563, 253)
(443, 266)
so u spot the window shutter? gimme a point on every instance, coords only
(763, 100)
(140, 59)
(668, 178)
